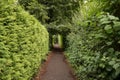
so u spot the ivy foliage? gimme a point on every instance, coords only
(23, 42)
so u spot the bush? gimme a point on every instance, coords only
(94, 49)
(23, 42)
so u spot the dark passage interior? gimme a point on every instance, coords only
(56, 43)
(57, 48)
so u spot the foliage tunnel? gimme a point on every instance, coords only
(90, 31)
(62, 30)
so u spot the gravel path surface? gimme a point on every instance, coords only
(57, 69)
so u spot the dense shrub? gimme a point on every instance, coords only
(23, 42)
(35, 8)
(94, 48)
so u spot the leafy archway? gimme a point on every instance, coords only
(61, 32)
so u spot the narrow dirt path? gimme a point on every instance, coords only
(57, 69)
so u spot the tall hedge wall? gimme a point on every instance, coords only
(94, 49)
(23, 42)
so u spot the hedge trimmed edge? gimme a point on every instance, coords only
(23, 42)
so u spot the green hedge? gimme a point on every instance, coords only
(94, 49)
(23, 42)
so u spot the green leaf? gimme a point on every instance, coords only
(113, 17)
(108, 68)
(116, 25)
(111, 62)
(119, 42)
(111, 50)
(103, 19)
(108, 29)
(116, 66)
(117, 72)
(99, 36)
(108, 43)
(102, 65)
(105, 22)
